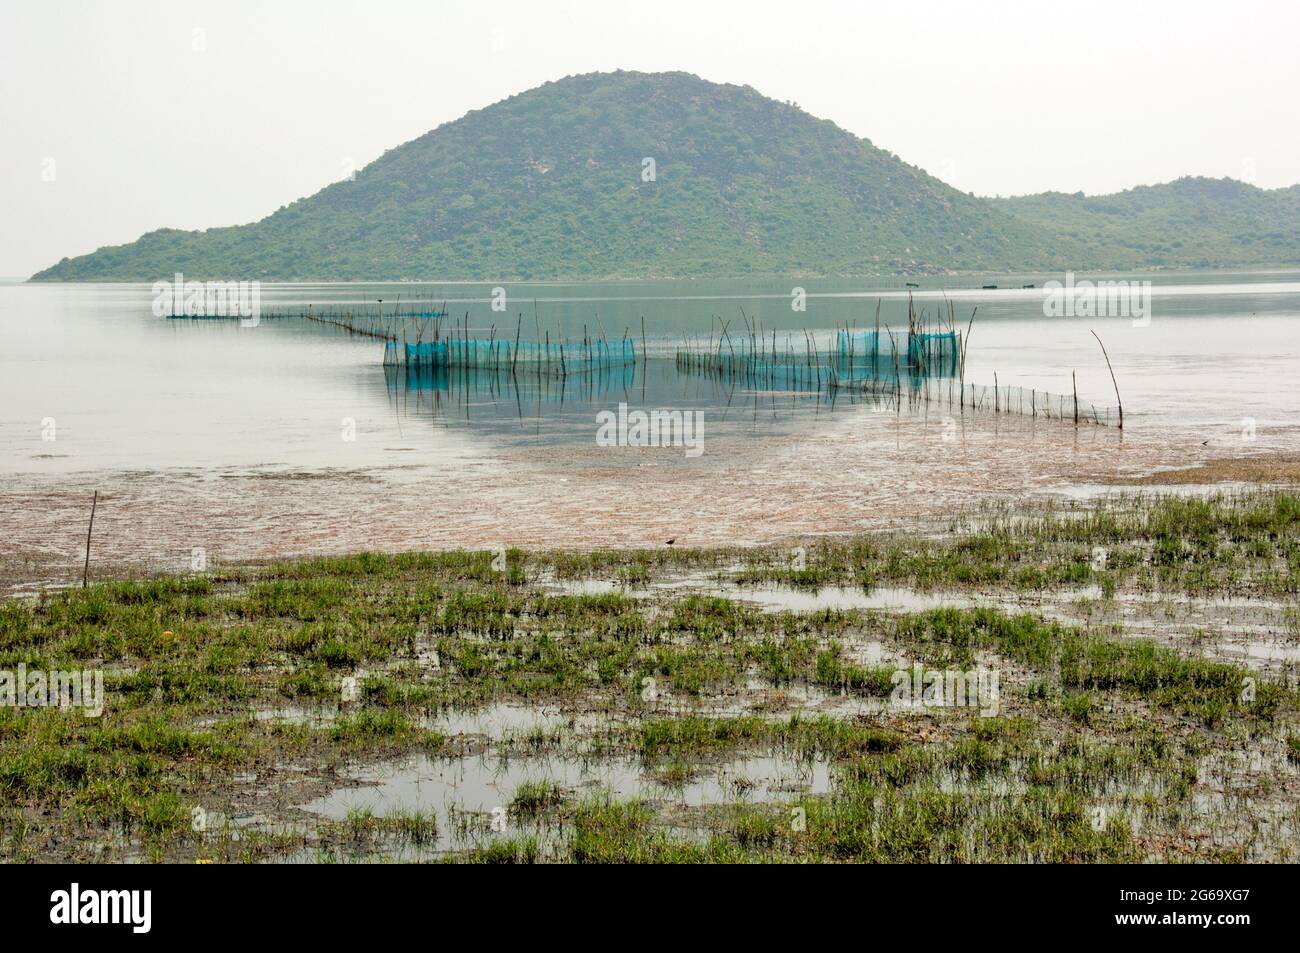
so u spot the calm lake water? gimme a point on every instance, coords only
(126, 390)
(209, 434)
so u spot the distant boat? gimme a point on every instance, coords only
(990, 287)
(1027, 286)
(913, 284)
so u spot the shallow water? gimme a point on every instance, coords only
(485, 786)
(777, 598)
(129, 390)
(204, 435)
(1259, 633)
(481, 784)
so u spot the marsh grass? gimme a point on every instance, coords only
(534, 797)
(1226, 542)
(1091, 716)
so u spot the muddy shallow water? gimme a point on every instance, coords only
(208, 440)
(484, 786)
(855, 471)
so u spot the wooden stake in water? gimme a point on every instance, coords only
(514, 357)
(85, 572)
(1112, 380)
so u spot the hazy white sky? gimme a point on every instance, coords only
(149, 123)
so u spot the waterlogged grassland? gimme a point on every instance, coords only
(1227, 543)
(237, 697)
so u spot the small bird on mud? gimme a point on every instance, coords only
(671, 541)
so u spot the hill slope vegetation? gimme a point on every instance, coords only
(554, 183)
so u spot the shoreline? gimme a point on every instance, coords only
(1272, 268)
(784, 488)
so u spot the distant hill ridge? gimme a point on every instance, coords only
(552, 183)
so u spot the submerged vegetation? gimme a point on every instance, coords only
(242, 700)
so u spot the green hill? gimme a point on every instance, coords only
(1190, 223)
(549, 184)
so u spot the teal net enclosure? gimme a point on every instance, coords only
(523, 380)
(428, 353)
(496, 354)
(825, 361)
(929, 353)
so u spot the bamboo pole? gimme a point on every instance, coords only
(519, 327)
(85, 571)
(1114, 383)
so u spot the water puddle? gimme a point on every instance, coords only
(775, 702)
(471, 798)
(1093, 492)
(777, 598)
(310, 716)
(497, 721)
(500, 720)
(1243, 628)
